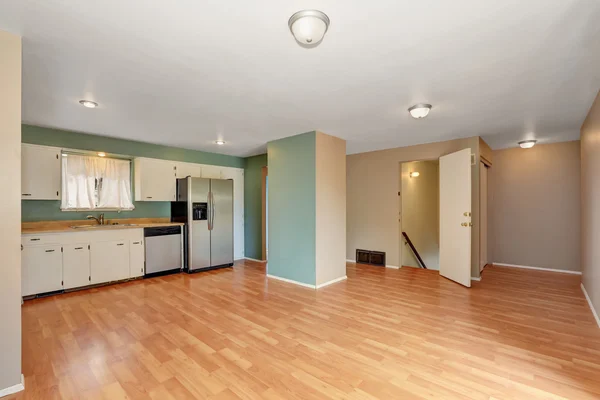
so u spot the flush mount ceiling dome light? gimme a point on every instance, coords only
(309, 26)
(88, 103)
(527, 144)
(419, 111)
(220, 142)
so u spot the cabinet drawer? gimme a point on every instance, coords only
(32, 240)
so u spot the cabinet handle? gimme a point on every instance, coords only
(25, 194)
(78, 248)
(148, 197)
(120, 244)
(34, 239)
(49, 251)
(137, 242)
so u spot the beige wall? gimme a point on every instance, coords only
(420, 212)
(372, 197)
(10, 212)
(330, 208)
(590, 202)
(536, 212)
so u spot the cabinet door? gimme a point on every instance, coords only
(109, 261)
(76, 265)
(40, 172)
(155, 180)
(41, 269)
(211, 171)
(183, 170)
(136, 258)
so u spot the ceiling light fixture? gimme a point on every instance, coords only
(88, 103)
(527, 144)
(220, 142)
(309, 26)
(101, 154)
(414, 174)
(420, 110)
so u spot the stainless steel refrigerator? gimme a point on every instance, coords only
(206, 207)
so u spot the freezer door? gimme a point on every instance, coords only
(198, 233)
(221, 222)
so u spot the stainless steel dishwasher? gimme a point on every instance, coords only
(163, 250)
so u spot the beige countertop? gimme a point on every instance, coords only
(86, 225)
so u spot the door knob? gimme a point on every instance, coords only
(467, 214)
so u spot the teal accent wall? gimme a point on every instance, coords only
(292, 208)
(253, 206)
(47, 210)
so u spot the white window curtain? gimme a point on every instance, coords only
(92, 182)
(115, 187)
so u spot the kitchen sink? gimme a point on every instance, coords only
(100, 226)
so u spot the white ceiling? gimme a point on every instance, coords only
(186, 72)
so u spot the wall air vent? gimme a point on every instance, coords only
(370, 257)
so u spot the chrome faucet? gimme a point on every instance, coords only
(99, 220)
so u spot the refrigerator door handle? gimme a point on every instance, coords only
(210, 211)
(212, 199)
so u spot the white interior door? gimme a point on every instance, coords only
(455, 217)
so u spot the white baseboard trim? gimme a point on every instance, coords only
(291, 281)
(392, 267)
(253, 259)
(476, 279)
(352, 261)
(562, 271)
(591, 305)
(331, 282)
(14, 389)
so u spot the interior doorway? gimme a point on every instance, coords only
(419, 214)
(483, 215)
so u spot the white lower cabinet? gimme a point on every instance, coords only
(76, 265)
(109, 261)
(56, 261)
(137, 255)
(41, 269)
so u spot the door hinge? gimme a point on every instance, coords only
(21, 247)
(62, 283)
(472, 159)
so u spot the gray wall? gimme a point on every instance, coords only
(535, 210)
(590, 200)
(10, 212)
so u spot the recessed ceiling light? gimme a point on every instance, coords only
(527, 144)
(220, 142)
(309, 26)
(414, 174)
(101, 154)
(88, 103)
(419, 111)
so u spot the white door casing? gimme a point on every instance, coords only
(455, 217)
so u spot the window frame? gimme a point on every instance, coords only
(67, 152)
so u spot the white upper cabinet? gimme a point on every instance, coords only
(154, 180)
(40, 172)
(183, 170)
(211, 171)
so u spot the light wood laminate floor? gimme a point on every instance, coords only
(382, 334)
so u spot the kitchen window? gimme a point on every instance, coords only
(95, 183)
